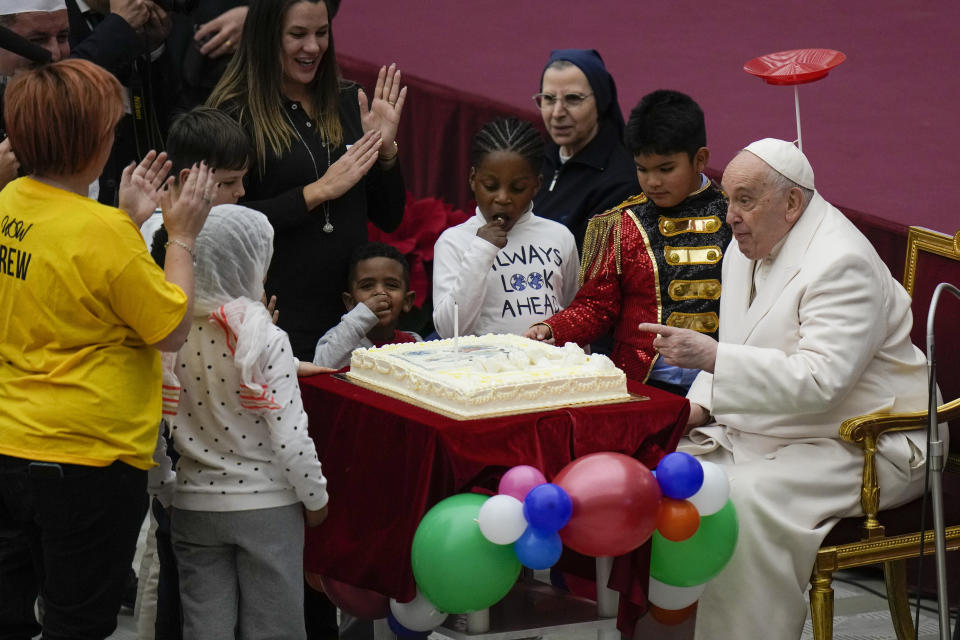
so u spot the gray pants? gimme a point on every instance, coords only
(241, 573)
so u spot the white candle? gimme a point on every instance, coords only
(456, 327)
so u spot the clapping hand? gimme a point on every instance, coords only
(139, 192)
(683, 347)
(350, 167)
(184, 215)
(383, 113)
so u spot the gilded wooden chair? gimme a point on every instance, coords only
(864, 541)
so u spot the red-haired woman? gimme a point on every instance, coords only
(84, 314)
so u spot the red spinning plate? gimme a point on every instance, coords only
(797, 66)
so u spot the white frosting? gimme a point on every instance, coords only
(491, 374)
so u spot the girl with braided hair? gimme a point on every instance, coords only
(505, 267)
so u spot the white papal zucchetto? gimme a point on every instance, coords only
(8, 7)
(785, 159)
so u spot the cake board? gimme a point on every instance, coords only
(634, 397)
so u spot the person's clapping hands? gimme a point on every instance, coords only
(383, 112)
(346, 171)
(9, 165)
(139, 192)
(221, 35)
(683, 347)
(494, 233)
(185, 212)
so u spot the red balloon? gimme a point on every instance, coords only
(615, 504)
(671, 617)
(677, 519)
(360, 603)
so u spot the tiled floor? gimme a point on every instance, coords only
(860, 615)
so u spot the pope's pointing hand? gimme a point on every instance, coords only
(683, 347)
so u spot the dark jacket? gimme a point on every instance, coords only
(599, 177)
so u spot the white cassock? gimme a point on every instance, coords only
(826, 338)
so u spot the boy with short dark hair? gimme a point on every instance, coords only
(209, 136)
(378, 291)
(656, 255)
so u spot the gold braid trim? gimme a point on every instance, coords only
(596, 240)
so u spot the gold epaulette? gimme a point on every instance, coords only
(597, 237)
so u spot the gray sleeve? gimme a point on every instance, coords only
(334, 348)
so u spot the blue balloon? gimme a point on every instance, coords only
(538, 549)
(547, 507)
(402, 632)
(680, 475)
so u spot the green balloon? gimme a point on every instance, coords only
(700, 557)
(455, 567)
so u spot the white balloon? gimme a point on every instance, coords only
(667, 596)
(501, 519)
(715, 491)
(417, 615)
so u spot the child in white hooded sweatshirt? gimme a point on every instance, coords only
(248, 472)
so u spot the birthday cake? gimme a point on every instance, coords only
(478, 376)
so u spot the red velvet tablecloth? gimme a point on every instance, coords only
(387, 462)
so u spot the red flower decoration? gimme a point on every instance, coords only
(423, 222)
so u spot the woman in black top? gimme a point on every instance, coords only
(586, 167)
(326, 162)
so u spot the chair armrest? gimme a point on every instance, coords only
(864, 431)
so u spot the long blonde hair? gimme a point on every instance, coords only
(250, 89)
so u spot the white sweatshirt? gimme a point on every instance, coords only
(337, 345)
(503, 290)
(234, 457)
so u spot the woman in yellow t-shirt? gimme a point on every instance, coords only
(84, 314)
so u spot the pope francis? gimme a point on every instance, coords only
(813, 330)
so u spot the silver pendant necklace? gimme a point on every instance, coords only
(327, 226)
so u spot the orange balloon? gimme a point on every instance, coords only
(671, 617)
(677, 519)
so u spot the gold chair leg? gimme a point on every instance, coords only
(821, 605)
(895, 576)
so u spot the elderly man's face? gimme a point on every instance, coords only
(47, 29)
(759, 213)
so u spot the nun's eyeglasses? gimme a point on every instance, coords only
(569, 101)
